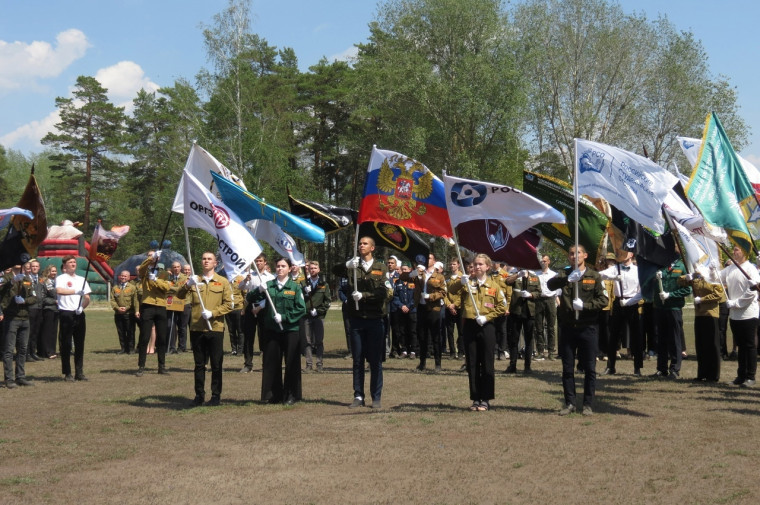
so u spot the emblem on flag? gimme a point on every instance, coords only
(402, 202)
(498, 236)
(591, 161)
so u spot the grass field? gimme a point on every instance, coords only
(123, 439)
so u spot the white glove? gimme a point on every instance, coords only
(664, 295)
(157, 255)
(152, 276)
(79, 310)
(658, 274)
(262, 287)
(575, 276)
(278, 318)
(526, 294)
(191, 281)
(353, 262)
(426, 296)
(307, 289)
(697, 300)
(262, 304)
(454, 277)
(465, 279)
(356, 295)
(617, 278)
(313, 312)
(481, 320)
(731, 304)
(577, 304)
(80, 292)
(689, 277)
(18, 277)
(206, 314)
(413, 274)
(522, 274)
(20, 300)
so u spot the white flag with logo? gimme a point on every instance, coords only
(634, 184)
(280, 241)
(203, 210)
(468, 200)
(200, 164)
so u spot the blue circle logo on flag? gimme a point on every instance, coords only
(466, 194)
(591, 162)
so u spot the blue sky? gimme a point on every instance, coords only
(129, 44)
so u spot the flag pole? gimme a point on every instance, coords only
(575, 197)
(678, 241)
(266, 291)
(192, 272)
(459, 255)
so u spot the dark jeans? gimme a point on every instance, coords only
(546, 316)
(152, 315)
(407, 326)
(173, 324)
(707, 346)
(517, 323)
(235, 329)
(277, 346)
(429, 330)
(479, 345)
(250, 323)
(208, 345)
(15, 336)
(315, 339)
(72, 325)
(367, 342)
(668, 340)
(125, 328)
(582, 341)
(604, 331)
(49, 332)
(744, 331)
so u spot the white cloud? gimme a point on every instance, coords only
(348, 55)
(31, 133)
(21, 64)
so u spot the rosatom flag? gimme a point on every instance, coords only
(469, 200)
(491, 237)
(104, 242)
(718, 185)
(402, 191)
(200, 163)
(278, 239)
(203, 210)
(249, 207)
(632, 183)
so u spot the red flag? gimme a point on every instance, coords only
(490, 236)
(104, 242)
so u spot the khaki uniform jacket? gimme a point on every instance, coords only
(238, 298)
(126, 297)
(525, 307)
(590, 290)
(488, 297)
(153, 292)
(25, 289)
(712, 296)
(435, 286)
(319, 298)
(216, 296)
(452, 291)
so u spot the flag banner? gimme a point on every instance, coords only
(104, 242)
(278, 239)
(626, 235)
(402, 191)
(24, 233)
(398, 238)
(491, 237)
(750, 207)
(718, 185)
(250, 207)
(469, 200)
(632, 183)
(698, 250)
(592, 223)
(203, 210)
(200, 164)
(328, 217)
(7, 214)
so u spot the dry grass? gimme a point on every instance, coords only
(123, 439)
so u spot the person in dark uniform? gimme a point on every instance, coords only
(578, 317)
(405, 304)
(431, 293)
(21, 296)
(251, 320)
(125, 305)
(35, 312)
(482, 304)
(152, 312)
(280, 337)
(317, 297)
(365, 309)
(526, 288)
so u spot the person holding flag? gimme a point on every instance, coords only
(152, 312)
(73, 297)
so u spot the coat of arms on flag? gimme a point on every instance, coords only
(405, 190)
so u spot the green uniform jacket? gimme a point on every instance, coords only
(319, 298)
(488, 297)
(590, 289)
(670, 285)
(288, 301)
(216, 296)
(375, 288)
(525, 307)
(126, 297)
(25, 289)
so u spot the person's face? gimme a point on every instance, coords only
(282, 269)
(581, 255)
(454, 266)
(365, 247)
(480, 267)
(35, 268)
(187, 270)
(470, 269)
(176, 268)
(70, 266)
(313, 270)
(545, 262)
(738, 255)
(431, 261)
(406, 268)
(260, 263)
(27, 268)
(124, 277)
(391, 264)
(208, 262)
(294, 269)
(53, 273)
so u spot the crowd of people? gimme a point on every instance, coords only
(480, 312)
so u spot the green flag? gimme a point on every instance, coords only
(718, 185)
(592, 223)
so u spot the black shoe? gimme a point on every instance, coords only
(376, 404)
(163, 371)
(140, 372)
(10, 384)
(737, 382)
(659, 375)
(291, 400)
(33, 357)
(80, 377)
(437, 368)
(609, 371)
(24, 382)
(673, 375)
(528, 371)
(213, 402)
(246, 369)
(69, 378)
(511, 369)
(121, 351)
(358, 402)
(637, 372)
(420, 368)
(198, 401)
(172, 351)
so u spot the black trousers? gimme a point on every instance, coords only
(125, 330)
(583, 341)
(707, 346)
(744, 335)
(480, 345)
(276, 347)
(72, 326)
(517, 323)
(35, 325)
(669, 324)
(250, 323)
(429, 330)
(208, 346)
(235, 329)
(625, 318)
(407, 326)
(49, 332)
(604, 332)
(453, 321)
(151, 315)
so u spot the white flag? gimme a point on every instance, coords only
(200, 164)
(632, 183)
(280, 241)
(468, 200)
(203, 210)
